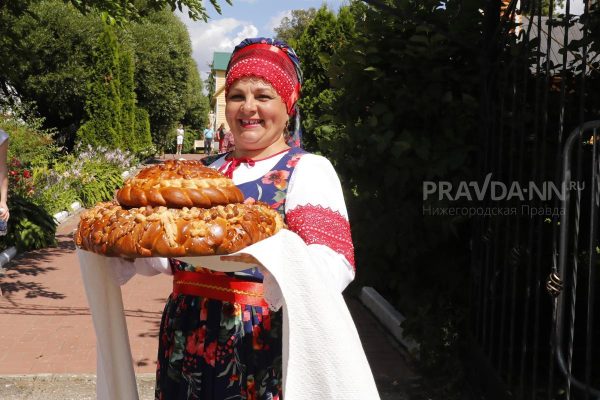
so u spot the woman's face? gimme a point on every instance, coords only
(256, 116)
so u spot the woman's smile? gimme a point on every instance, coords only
(250, 123)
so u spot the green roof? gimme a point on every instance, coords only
(220, 60)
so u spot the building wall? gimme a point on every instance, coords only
(220, 100)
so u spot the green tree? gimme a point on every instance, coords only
(104, 104)
(408, 114)
(143, 138)
(291, 28)
(211, 82)
(196, 103)
(46, 60)
(128, 99)
(321, 38)
(162, 52)
(125, 10)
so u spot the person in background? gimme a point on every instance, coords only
(220, 137)
(208, 139)
(4, 214)
(180, 134)
(228, 141)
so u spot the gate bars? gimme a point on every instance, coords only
(536, 345)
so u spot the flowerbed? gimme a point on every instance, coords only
(39, 187)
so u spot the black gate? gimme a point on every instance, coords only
(534, 323)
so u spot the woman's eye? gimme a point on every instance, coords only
(236, 97)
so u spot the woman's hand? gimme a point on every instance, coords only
(4, 214)
(244, 258)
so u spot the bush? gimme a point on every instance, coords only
(28, 143)
(143, 138)
(89, 175)
(29, 227)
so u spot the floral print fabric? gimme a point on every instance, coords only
(213, 350)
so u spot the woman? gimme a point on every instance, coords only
(228, 142)
(218, 348)
(4, 214)
(180, 133)
(220, 136)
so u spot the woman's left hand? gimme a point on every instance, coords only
(4, 214)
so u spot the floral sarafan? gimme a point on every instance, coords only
(277, 178)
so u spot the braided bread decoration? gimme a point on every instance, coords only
(178, 184)
(148, 231)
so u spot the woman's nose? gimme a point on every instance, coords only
(249, 105)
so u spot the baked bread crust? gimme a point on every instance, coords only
(178, 184)
(114, 231)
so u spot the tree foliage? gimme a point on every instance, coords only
(321, 38)
(104, 103)
(162, 51)
(197, 105)
(291, 28)
(47, 61)
(121, 11)
(390, 96)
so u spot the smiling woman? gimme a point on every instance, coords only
(214, 349)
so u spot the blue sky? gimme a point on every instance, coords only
(246, 18)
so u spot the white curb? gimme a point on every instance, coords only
(75, 206)
(61, 216)
(7, 255)
(389, 317)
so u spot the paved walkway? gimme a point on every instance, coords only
(47, 341)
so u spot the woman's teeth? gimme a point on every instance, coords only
(247, 122)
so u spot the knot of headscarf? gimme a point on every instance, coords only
(227, 169)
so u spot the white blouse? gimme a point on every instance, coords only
(313, 183)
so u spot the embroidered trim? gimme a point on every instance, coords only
(320, 225)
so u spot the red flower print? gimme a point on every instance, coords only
(257, 342)
(203, 310)
(211, 353)
(275, 206)
(250, 388)
(195, 342)
(277, 178)
(267, 322)
(292, 162)
(250, 200)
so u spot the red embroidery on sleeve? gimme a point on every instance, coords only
(319, 225)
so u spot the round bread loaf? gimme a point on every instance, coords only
(178, 184)
(148, 231)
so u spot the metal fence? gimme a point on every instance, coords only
(534, 322)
